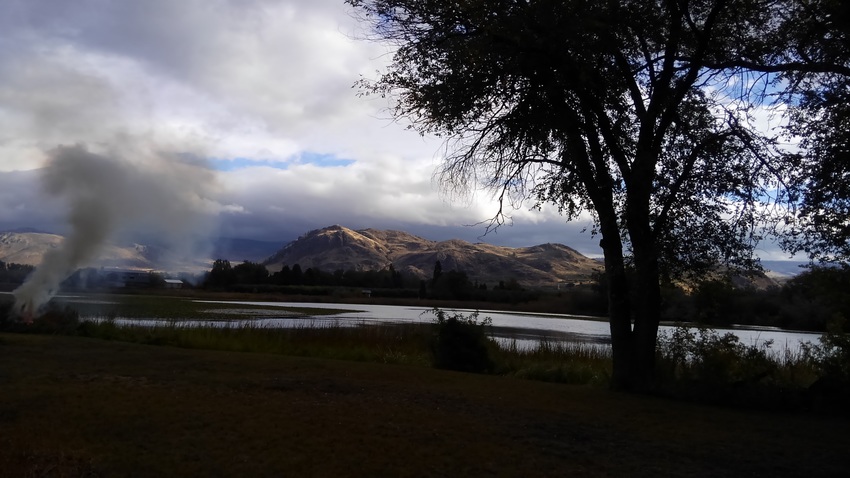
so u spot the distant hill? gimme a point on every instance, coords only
(337, 247)
(29, 247)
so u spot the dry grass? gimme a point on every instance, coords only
(83, 407)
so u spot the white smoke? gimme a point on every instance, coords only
(110, 193)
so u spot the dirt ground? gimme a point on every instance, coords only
(74, 407)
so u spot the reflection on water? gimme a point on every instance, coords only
(525, 329)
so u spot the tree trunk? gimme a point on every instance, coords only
(647, 317)
(647, 307)
(619, 308)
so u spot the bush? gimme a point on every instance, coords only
(461, 342)
(831, 356)
(702, 355)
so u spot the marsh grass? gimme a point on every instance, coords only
(391, 343)
(562, 362)
(409, 344)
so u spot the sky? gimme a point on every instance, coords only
(261, 92)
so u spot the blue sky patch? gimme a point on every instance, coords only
(319, 160)
(324, 160)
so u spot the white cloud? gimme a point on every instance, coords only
(263, 80)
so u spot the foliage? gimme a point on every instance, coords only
(703, 355)
(14, 273)
(552, 361)
(831, 355)
(221, 274)
(250, 273)
(808, 301)
(461, 342)
(639, 112)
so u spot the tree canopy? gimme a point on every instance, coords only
(650, 115)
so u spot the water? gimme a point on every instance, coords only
(525, 328)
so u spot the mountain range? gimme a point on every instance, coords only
(340, 248)
(29, 246)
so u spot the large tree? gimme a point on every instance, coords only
(642, 113)
(820, 117)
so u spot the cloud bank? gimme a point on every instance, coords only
(259, 89)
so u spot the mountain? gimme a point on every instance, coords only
(29, 248)
(337, 247)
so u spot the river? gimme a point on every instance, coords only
(526, 328)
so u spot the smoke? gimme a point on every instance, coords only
(117, 192)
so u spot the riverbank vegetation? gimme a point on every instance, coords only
(693, 363)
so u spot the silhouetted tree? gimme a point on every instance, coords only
(251, 273)
(221, 274)
(282, 277)
(438, 271)
(639, 112)
(296, 276)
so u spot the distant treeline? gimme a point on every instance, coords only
(809, 301)
(11, 273)
(388, 282)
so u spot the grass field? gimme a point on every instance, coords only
(74, 407)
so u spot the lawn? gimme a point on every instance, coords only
(73, 406)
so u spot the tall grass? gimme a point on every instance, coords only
(564, 362)
(389, 343)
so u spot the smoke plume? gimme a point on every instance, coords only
(114, 192)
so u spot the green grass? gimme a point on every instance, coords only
(329, 400)
(79, 407)
(402, 343)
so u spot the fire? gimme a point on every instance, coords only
(26, 312)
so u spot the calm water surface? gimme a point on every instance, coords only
(524, 327)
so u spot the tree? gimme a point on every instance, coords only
(250, 273)
(438, 272)
(639, 112)
(221, 274)
(296, 276)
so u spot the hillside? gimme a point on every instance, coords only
(337, 247)
(29, 248)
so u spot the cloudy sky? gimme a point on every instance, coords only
(260, 91)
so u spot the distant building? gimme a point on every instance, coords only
(173, 284)
(127, 278)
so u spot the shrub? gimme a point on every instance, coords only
(56, 320)
(831, 356)
(703, 355)
(461, 342)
